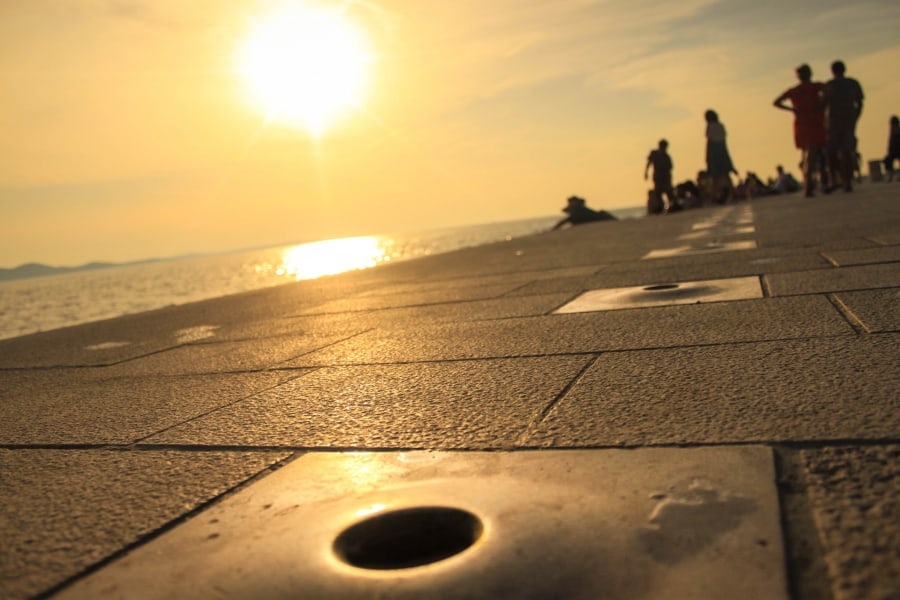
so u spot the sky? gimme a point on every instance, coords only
(131, 131)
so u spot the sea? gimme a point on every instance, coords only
(51, 302)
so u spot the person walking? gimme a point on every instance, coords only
(810, 134)
(662, 175)
(843, 99)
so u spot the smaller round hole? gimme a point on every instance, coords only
(661, 286)
(407, 538)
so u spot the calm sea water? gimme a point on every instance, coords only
(45, 303)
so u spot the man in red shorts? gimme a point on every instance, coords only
(806, 102)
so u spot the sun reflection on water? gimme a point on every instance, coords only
(329, 257)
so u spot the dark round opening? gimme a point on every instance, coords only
(661, 286)
(407, 538)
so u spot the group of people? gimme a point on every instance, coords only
(715, 182)
(825, 117)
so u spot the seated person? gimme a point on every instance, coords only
(579, 213)
(784, 182)
(688, 194)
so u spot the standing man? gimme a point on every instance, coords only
(809, 124)
(843, 98)
(662, 174)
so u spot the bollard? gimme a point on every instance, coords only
(875, 171)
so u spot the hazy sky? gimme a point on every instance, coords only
(127, 132)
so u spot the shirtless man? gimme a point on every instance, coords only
(843, 98)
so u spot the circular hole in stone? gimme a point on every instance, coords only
(661, 286)
(407, 538)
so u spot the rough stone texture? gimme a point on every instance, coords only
(225, 357)
(838, 222)
(853, 494)
(835, 280)
(461, 351)
(152, 331)
(369, 301)
(886, 239)
(470, 404)
(652, 524)
(826, 389)
(805, 561)
(77, 407)
(722, 322)
(668, 270)
(865, 256)
(514, 280)
(478, 310)
(877, 311)
(65, 510)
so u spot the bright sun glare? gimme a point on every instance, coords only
(304, 65)
(328, 257)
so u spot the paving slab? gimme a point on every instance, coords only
(695, 324)
(668, 270)
(226, 357)
(461, 352)
(665, 294)
(853, 495)
(87, 407)
(663, 524)
(471, 404)
(67, 510)
(891, 238)
(890, 254)
(114, 340)
(437, 283)
(712, 247)
(410, 298)
(839, 279)
(796, 390)
(477, 310)
(833, 220)
(877, 311)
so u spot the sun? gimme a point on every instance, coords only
(304, 65)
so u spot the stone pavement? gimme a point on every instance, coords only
(721, 420)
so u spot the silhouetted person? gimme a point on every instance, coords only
(893, 151)
(688, 194)
(784, 182)
(662, 174)
(704, 184)
(809, 123)
(579, 213)
(843, 99)
(753, 186)
(718, 160)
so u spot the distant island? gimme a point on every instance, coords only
(32, 270)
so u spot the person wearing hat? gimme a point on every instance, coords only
(578, 213)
